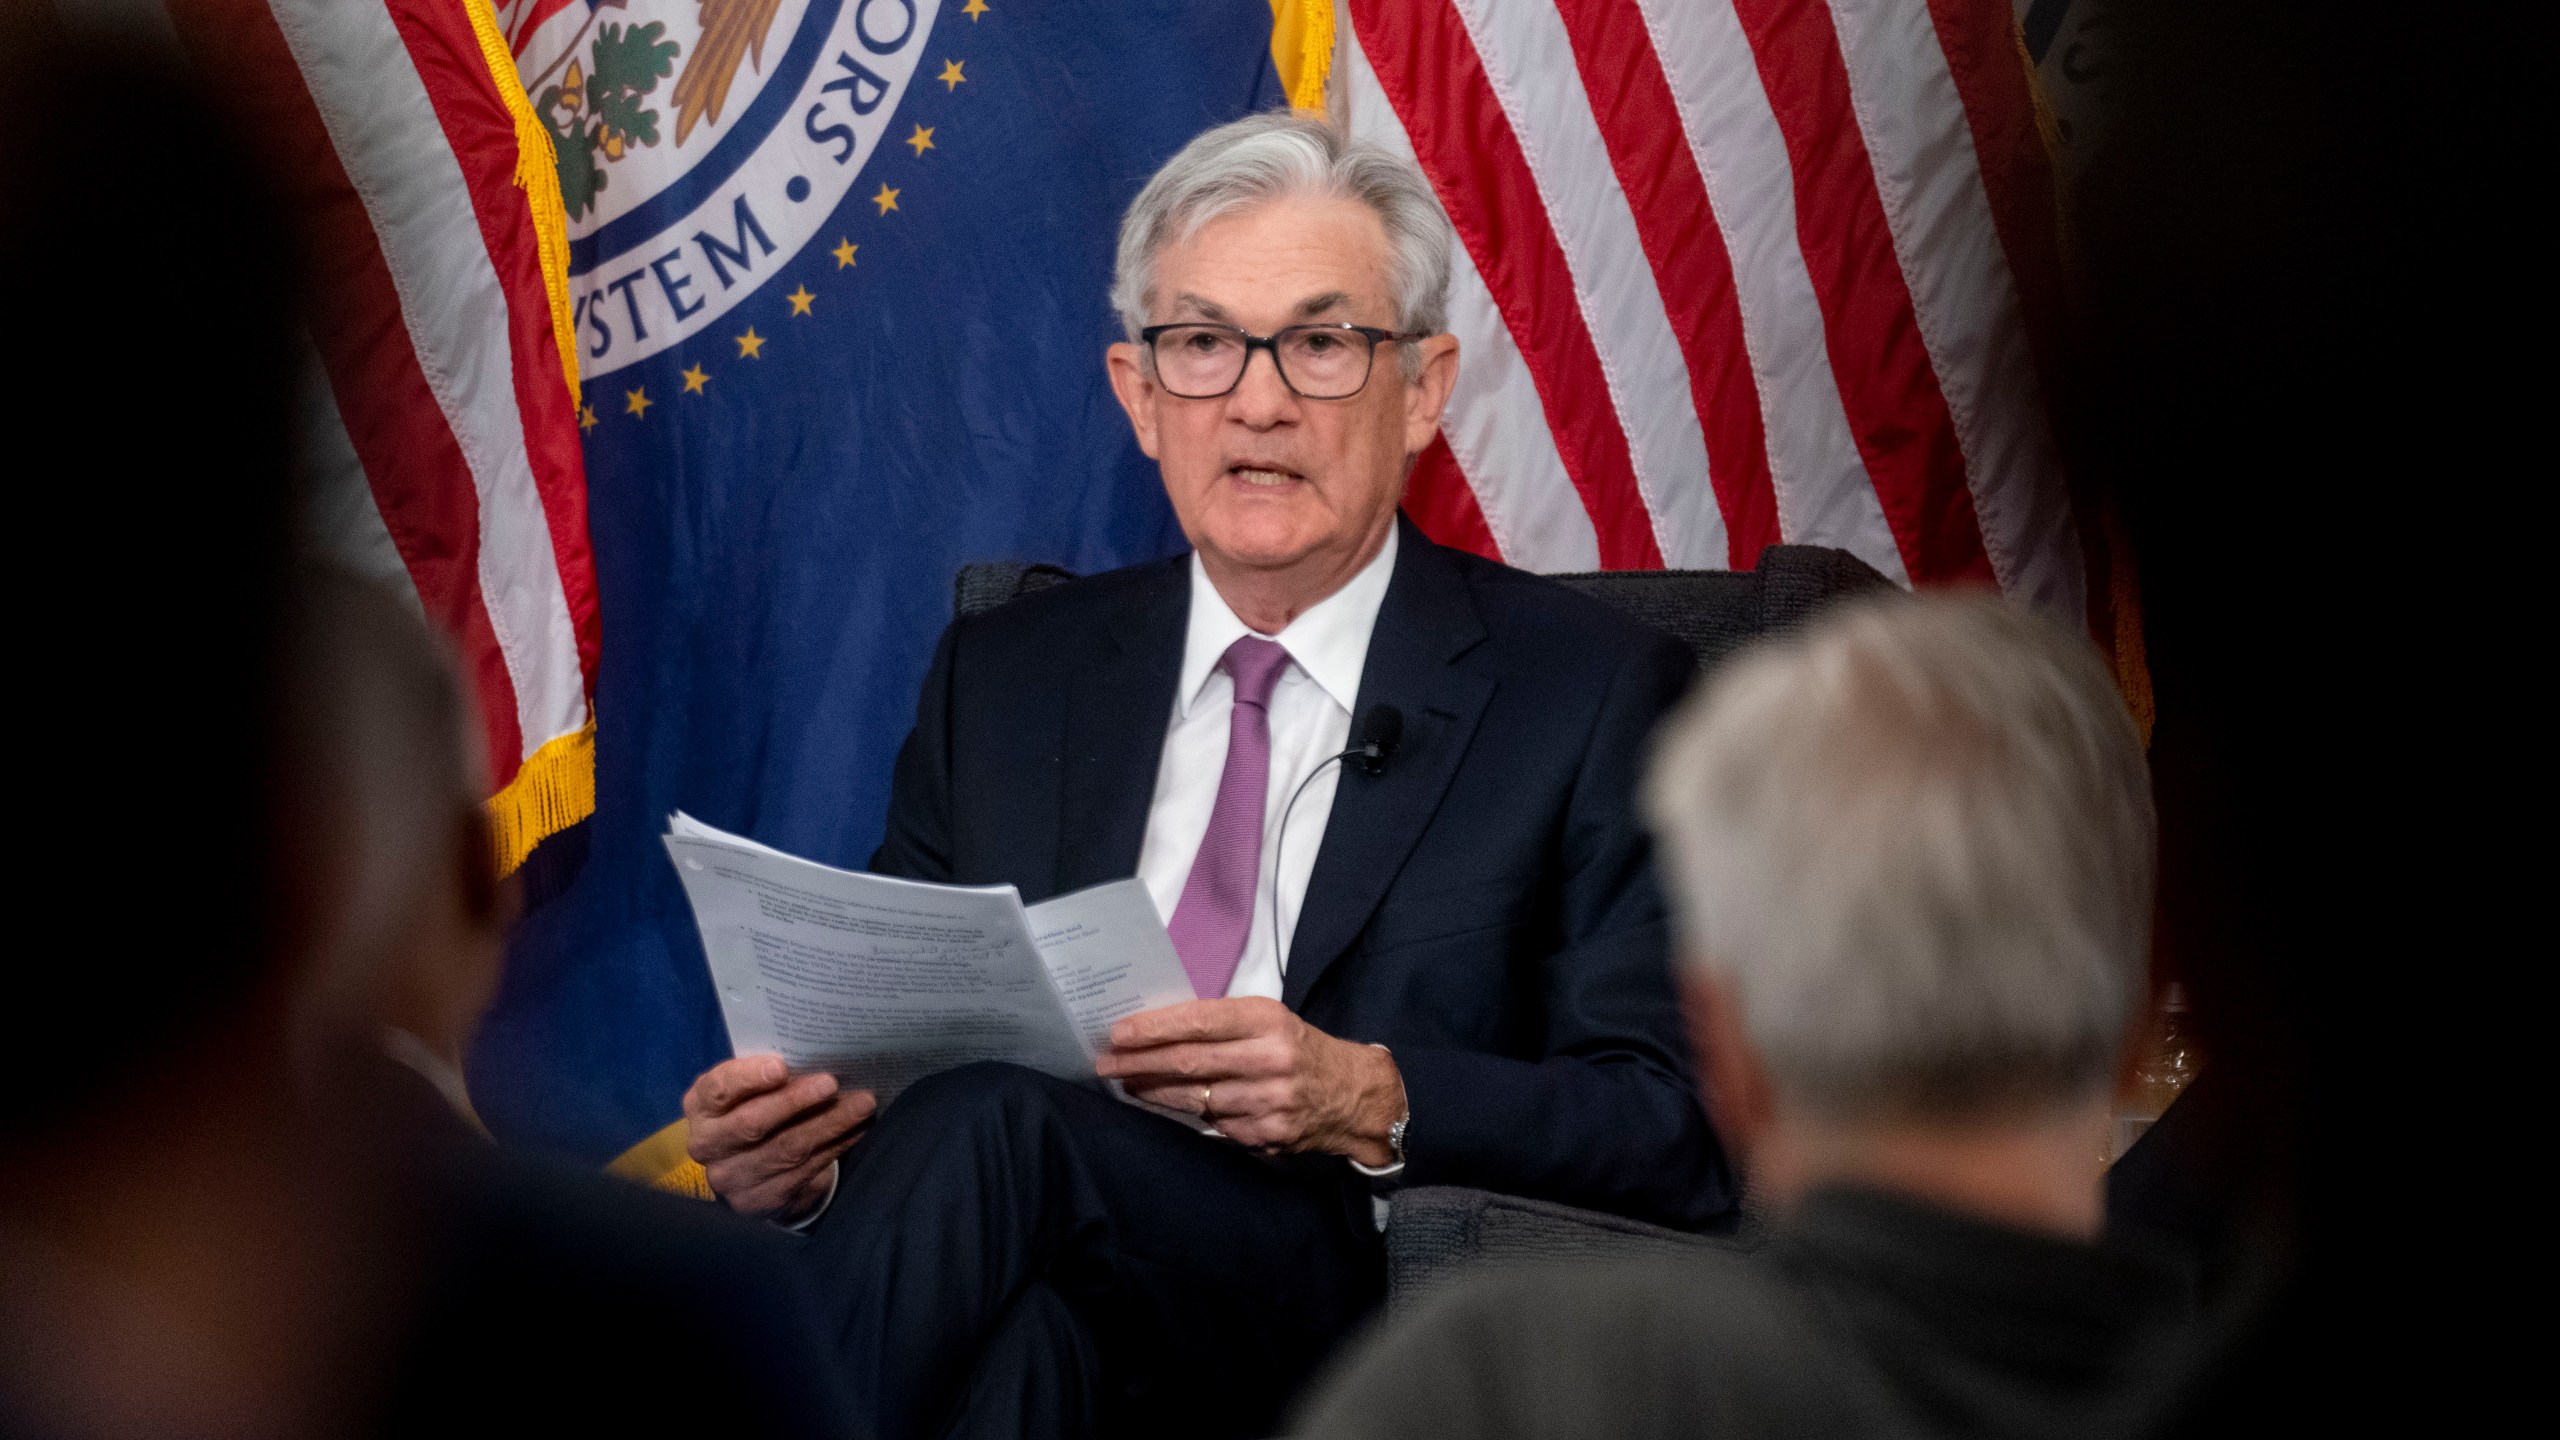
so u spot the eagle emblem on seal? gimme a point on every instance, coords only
(599, 110)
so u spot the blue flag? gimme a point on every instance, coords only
(839, 269)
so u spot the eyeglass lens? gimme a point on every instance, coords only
(1319, 362)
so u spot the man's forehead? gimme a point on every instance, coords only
(1303, 257)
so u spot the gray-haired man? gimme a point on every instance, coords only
(1445, 964)
(1912, 860)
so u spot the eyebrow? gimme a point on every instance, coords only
(1308, 308)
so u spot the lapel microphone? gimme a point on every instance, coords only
(1381, 731)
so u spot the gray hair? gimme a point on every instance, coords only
(1917, 842)
(1264, 157)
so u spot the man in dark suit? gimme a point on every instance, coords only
(1442, 962)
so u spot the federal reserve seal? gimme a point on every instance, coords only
(702, 143)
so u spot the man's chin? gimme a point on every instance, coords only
(1275, 540)
(1264, 558)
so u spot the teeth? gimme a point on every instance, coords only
(1262, 477)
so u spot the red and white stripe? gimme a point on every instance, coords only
(529, 24)
(433, 328)
(544, 34)
(1732, 274)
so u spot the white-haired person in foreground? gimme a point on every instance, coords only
(1910, 853)
(1446, 963)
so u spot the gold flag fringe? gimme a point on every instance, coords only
(538, 176)
(1302, 50)
(555, 789)
(660, 1163)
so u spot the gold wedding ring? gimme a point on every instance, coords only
(1205, 1112)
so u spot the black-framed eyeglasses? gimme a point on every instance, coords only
(1196, 360)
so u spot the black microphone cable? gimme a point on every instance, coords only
(1381, 731)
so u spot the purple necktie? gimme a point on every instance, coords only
(1216, 911)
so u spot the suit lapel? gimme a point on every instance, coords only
(1115, 726)
(1427, 621)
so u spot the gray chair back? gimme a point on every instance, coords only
(1716, 612)
(1713, 612)
(993, 583)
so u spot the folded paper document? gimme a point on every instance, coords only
(885, 981)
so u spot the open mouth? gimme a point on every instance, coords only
(1263, 477)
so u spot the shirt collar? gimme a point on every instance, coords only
(1329, 642)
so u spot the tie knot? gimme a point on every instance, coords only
(1254, 664)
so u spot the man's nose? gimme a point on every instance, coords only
(1261, 399)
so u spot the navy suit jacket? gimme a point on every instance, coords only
(1485, 907)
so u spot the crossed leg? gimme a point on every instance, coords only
(1013, 1255)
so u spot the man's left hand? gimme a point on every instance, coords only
(1262, 1076)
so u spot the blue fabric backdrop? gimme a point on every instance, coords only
(775, 548)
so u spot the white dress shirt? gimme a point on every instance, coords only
(1328, 647)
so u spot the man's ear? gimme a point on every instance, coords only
(1427, 397)
(1129, 381)
(1733, 1082)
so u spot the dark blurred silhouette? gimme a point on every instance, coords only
(241, 1193)
(2300, 361)
(175, 1233)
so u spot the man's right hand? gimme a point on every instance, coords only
(767, 1139)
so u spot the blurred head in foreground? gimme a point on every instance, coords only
(1910, 855)
(179, 1250)
(151, 467)
(414, 937)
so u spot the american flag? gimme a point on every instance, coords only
(1734, 272)
(443, 430)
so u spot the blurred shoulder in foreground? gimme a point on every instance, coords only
(1865, 1315)
(1648, 1351)
(556, 1297)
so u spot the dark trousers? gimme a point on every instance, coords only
(1014, 1255)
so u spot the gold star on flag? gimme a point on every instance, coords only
(637, 402)
(695, 379)
(586, 417)
(749, 344)
(887, 199)
(974, 10)
(800, 299)
(922, 140)
(844, 252)
(951, 77)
